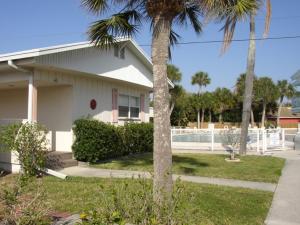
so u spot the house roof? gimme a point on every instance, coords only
(73, 46)
(286, 112)
(138, 51)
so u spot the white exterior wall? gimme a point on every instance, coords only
(103, 63)
(55, 112)
(13, 104)
(86, 89)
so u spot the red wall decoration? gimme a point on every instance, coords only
(93, 104)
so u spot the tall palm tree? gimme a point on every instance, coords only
(286, 90)
(202, 80)
(163, 16)
(250, 74)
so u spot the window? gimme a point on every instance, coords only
(119, 53)
(129, 106)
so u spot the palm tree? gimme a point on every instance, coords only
(240, 92)
(285, 90)
(224, 100)
(201, 79)
(174, 75)
(266, 92)
(163, 16)
(250, 74)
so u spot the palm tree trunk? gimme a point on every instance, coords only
(263, 115)
(221, 118)
(210, 116)
(248, 87)
(202, 118)
(198, 119)
(252, 118)
(162, 182)
(279, 112)
(171, 108)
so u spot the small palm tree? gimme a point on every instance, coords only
(266, 92)
(201, 79)
(286, 90)
(224, 100)
(163, 16)
(174, 73)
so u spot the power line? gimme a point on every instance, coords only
(234, 40)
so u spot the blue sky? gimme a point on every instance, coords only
(35, 23)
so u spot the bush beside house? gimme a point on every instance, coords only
(97, 140)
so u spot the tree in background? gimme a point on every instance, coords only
(286, 90)
(202, 80)
(210, 104)
(266, 92)
(247, 103)
(240, 92)
(224, 101)
(163, 16)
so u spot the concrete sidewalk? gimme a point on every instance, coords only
(104, 173)
(285, 209)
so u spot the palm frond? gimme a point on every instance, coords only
(192, 13)
(104, 32)
(268, 18)
(95, 6)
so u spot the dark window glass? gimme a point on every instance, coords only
(134, 112)
(123, 111)
(122, 53)
(116, 51)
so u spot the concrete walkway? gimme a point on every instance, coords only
(104, 173)
(285, 209)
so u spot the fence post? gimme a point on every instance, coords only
(264, 140)
(212, 139)
(257, 139)
(283, 138)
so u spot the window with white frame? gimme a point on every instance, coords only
(129, 106)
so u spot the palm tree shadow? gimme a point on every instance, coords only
(188, 165)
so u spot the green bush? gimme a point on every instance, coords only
(97, 141)
(30, 142)
(137, 138)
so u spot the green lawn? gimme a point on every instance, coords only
(253, 168)
(198, 204)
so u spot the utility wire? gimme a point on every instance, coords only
(234, 40)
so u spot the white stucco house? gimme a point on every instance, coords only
(57, 85)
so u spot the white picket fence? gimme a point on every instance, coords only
(259, 140)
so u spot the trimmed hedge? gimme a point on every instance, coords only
(97, 141)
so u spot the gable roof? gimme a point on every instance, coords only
(74, 46)
(131, 44)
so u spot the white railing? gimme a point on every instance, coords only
(259, 140)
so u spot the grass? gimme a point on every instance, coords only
(198, 204)
(251, 168)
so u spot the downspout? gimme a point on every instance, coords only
(12, 65)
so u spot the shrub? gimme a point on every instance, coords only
(138, 138)
(96, 140)
(30, 143)
(124, 205)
